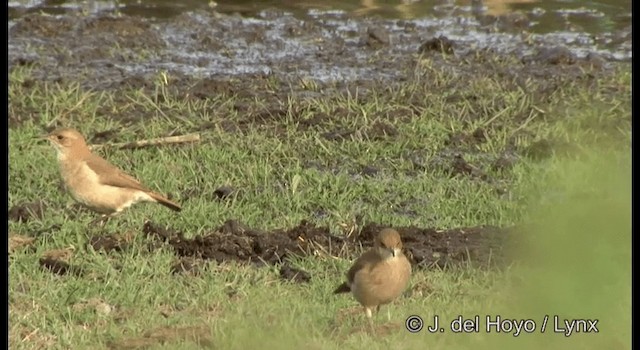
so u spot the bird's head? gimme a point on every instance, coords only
(388, 243)
(66, 141)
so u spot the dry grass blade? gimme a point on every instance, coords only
(189, 138)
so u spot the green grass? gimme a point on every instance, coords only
(575, 264)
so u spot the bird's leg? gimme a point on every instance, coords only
(368, 312)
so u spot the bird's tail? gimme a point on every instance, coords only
(343, 288)
(166, 202)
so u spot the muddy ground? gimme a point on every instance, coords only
(275, 56)
(484, 247)
(209, 53)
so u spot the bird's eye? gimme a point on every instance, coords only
(59, 137)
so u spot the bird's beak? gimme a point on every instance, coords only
(394, 252)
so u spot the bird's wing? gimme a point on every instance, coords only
(365, 261)
(108, 174)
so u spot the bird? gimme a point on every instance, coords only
(94, 182)
(379, 275)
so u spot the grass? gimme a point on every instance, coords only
(576, 201)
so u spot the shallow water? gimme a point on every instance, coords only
(550, 16)
(335, 41)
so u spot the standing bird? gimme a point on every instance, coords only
(379, 275)
(96, 183)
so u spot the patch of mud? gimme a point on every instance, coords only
(110, 243)
(205, 51)
(293, 274)
(59, 267)
(377, 37)
(479, 246)
(57, 261)
(440, 44)
(25, 212)
(18, 242)
(460, 139)
(557, 55)
(460, 166)
(224, 192)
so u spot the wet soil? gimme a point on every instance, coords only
(60, 267)
(482, 246)
(266, 60)
(109, 243)
(57, 261)
(24, 212)
(234, 241)
(293, 274)
(274, 53)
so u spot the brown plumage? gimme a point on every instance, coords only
(380, 275)
(96, 183)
